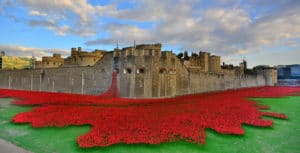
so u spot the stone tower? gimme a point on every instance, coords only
(204, 60)
(214, 64)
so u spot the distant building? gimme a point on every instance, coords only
(84, 58)
(288, 71)
(295, 70)
(77, 58)
(50, 62)
(289, 74)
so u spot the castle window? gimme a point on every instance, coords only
(149, 52)
(140, 71)
(127, 71)
(47, 63)
(162, 70)
(172, 71)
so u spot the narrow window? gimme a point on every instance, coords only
(128, 70)
(162, 70)
(140, 71)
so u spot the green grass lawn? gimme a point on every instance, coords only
(283, 137)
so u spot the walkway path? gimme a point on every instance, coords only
(7, 147)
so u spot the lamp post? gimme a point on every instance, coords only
(9, 82)
(82, 83)
(72, 85)
(31, 82)
(41, 78)
(53, 83)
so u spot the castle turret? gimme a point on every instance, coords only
(50, 61)
(214, 64)
(84, 58)
(204, 60)
(73, 51)
(243, 67)
(116, 52)
(269, 73)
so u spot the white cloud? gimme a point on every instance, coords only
(62, 30)
(229, 19)
(45, 23)
(291, 43)
(270, 30)
(24, 51)
(275, 58)
(222, 27)
(243, 51)
(37, 13)
(78, 14)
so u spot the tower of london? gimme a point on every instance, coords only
(143, 71)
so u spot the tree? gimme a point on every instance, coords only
(180, 55)
(194, 55)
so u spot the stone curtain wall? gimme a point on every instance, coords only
(150, 83)
(205, 82)
(88, 80)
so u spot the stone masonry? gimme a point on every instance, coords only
(143, 71)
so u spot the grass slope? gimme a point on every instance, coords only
(283, 137)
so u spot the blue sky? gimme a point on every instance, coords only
(261, 31)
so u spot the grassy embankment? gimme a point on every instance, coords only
(283, 137)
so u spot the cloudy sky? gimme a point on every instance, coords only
(261, 31)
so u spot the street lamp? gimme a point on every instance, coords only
(82, 82)
(42, 74)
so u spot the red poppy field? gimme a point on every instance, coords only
(151, 121)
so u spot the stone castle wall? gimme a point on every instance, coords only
(89, 80)
(205, 82)
(152, 76)
(140, 75)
